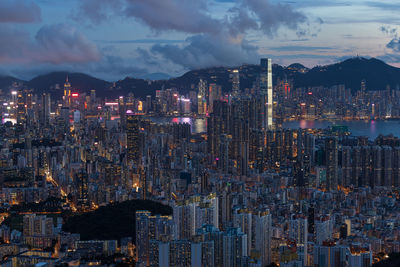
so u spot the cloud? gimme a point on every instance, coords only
(388, 30)
(113, 66)
(194, 16)
(54, 44)
(295, 48)
(267, 16)
(206, 50)
(189, 16)
(97, 11)
(19, 11)
(382, 5)
(215, 41)
(394, 44)
(142, 41)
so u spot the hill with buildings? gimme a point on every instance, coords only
(377, 74)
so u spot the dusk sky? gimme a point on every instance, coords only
(112, 39)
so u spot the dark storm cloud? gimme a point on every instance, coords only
(207, 50)
(19, 11)
(54, 44)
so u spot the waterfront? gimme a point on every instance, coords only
(372, 129)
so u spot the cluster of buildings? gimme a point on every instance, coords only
(244, 191)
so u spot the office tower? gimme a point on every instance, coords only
(263, 234)
(65, 123)
(234, 247)
(266, 92)
(331, 159)
(298, 231)
(21, 111)
(201, 97)
(45, 109)
(214, 93)
(132, 137)
(235, 83)
(122, 111)
(67, 93)
(81, 178)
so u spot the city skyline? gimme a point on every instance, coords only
(252, 164)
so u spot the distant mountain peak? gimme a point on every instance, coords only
(296, 66)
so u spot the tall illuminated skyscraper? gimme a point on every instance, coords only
(67, 92)
(21, 111)
(132, 137)
(201, 97)
(235, 83)
(266, 91)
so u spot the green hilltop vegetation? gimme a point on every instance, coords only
(112, 222)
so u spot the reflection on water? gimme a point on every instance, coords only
(358, 128)
(198, 125)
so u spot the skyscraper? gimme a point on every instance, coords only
(235, 83)
(132, 137)
(266, 91)
(21, 111)
(67, 92)
(234, 247)
(201, 97)
(298, 231)
(331, 157)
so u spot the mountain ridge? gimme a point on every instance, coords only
(350, 72)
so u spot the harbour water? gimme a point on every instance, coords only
(372, 128)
